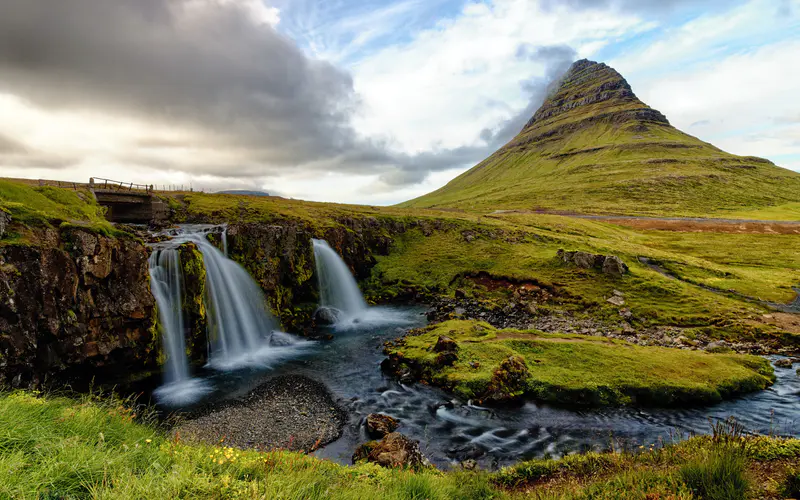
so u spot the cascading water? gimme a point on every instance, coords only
(241, 331)
(166, 283)
(341, 301)
(337, 287)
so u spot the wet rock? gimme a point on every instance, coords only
(460, 294)
(469, 464)
(393, 451)
(327, 315)
(783, 363)
(68, 289)
(379, 425)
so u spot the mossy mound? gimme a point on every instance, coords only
(505, 365)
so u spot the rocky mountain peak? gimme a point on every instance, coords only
(585, 84)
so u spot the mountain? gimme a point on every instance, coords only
(594, 147)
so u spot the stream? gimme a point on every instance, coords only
(450, 430)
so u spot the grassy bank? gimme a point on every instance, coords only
(573, 369)
(33, 206)
(53, 447)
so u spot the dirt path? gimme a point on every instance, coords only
(684, 224)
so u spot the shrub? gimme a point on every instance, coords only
(791, 485)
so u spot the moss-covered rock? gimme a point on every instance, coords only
(194, 295)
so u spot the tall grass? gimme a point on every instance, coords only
(719, 472)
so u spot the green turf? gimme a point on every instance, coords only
(581, 370)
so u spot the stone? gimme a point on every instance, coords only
(327, 315)
(378, 425)
(460, 294)
(393, 451)
(508, 382)
(617, 301)
(608, 264)
(469, 464)
(445, 344)
(613, 265)
(5, 220)
(783, 363)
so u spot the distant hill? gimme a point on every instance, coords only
(594, 147)
(244, 192)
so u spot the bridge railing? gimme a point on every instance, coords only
(109, 184)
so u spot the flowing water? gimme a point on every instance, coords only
(250, 351)
(451, 430)
(166, 283)
(241, 330)
(337, 287)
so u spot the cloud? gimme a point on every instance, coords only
(209, 65)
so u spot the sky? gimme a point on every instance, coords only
(365, 101)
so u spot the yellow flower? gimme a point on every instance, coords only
(148, 440)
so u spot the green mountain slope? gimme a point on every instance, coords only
(594, 147)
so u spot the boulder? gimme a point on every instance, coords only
(614, 266)
(445, 344)
(327, 315)
(783, 363)
(616, 300)
(394, 450)
(508, 382)
(608, 264)
(379, 425)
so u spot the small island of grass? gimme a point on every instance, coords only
(477, 361)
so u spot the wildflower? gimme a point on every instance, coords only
(148, 441)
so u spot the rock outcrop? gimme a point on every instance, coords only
(394, 451)
(379, 425)
(74, 303)
(608, 264)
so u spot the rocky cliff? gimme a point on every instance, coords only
(74, 303)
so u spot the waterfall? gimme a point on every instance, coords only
(241, 330)
(337, 287)
(166, 283)
(225, 240)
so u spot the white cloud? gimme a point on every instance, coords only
(743, 100)
(452, 81)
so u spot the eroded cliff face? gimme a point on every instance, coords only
(280, 257)
(74, 303)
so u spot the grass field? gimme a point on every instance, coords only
(56, 447)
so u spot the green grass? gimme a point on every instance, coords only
(36, 206)
(57, 447)
(580, 370)
(596, 158)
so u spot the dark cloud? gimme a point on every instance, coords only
(208, 67)
(200, 64)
